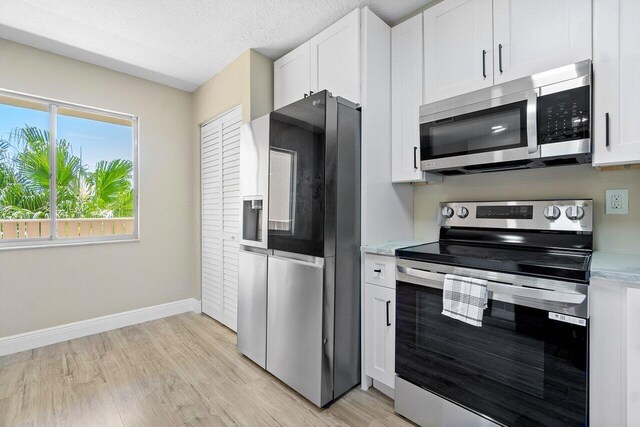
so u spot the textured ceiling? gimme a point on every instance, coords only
(181, 43)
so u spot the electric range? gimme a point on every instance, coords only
(528, 362)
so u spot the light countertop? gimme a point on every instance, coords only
(389, 248)
(604, 265)
(613, 266)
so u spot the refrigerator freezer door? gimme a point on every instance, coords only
(252, 306)
(295, 327)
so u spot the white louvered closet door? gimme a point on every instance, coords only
(220, 140)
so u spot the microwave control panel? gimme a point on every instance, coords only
(564, 116)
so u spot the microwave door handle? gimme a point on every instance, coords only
(532, 122)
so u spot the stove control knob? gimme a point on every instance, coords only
(463, 212)
(447, 212)
(552, 212)
(575, 213)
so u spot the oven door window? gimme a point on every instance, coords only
(492, 129)
(518, 368)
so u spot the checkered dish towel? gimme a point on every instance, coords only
(464, 298)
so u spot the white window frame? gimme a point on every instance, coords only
(52, 240)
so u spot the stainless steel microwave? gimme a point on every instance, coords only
(536, 121)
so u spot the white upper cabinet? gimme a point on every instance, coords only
(330, 60)
(406, 98)
(472, 44)
(291, 75)
(458, 52)
(532, 36)
(616, 67)
(335, 58)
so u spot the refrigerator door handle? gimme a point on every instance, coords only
(300, 259)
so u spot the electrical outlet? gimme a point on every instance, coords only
(617, 202)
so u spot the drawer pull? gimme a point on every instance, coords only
(377, 270)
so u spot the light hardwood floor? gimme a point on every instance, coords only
(180, 370)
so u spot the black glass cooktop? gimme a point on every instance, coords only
(550, 263)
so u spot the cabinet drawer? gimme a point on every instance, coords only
(380, 270)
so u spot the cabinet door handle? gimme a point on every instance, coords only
(377, 270)
(606, 130)
(310, 92)
(415, 161)
(388, 320)
(306, 94)
(500, 58)
(484, 63)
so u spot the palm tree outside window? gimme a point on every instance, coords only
(95, 173)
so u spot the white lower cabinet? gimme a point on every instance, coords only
(633, 355)
(379, 333)
(614, 353)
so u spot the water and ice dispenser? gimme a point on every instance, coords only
(252, 218)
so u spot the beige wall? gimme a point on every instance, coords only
(261, 85)
(225, 90)
(248, 82)
(45, 287)
(616, 233)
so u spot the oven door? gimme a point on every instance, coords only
(523, 366)
(494, 131)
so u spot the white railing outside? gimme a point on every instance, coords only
(66, 228)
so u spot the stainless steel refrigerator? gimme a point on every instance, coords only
(313, 299)
(313, 242)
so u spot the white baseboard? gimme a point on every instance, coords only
(40, 338)
(196, 305)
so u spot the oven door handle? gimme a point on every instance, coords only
(532, 121)
(436, 280)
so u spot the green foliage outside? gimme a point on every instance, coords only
(105, 192)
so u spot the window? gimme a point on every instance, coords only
(90, 193)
